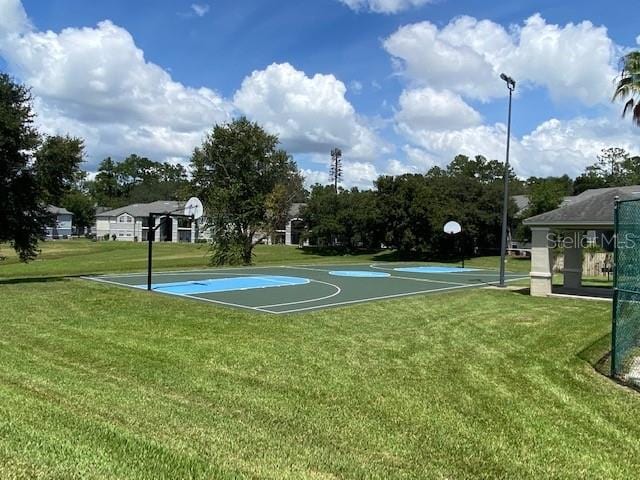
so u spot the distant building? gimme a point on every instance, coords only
(291, 232)
(62, 225)
(131, 223)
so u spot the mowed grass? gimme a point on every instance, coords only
(83, 257)
(101, 382)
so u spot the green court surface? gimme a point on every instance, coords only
(291, 289)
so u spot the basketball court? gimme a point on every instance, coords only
(300, 288)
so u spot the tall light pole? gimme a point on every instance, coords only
(511, 85)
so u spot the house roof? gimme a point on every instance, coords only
(521, 201)
(592, 208)
(58, 210)
(144, 209)
(295, 209)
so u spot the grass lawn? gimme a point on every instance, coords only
(99, 382)
(83, 257)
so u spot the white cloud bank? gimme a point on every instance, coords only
(468, 55)
(384, 6)
(463, 60)
(96, 83)
(309, 114)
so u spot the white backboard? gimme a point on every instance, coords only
(452, 228)
(194, 208)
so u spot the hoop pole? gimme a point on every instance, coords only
(150, 233)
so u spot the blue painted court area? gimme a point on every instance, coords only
(216, 285)
(358, 273)
(436, 269)
(305, 288)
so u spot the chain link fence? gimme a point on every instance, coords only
(625, 335)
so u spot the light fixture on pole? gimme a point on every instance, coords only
(511, 85)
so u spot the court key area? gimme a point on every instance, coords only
(291, 289)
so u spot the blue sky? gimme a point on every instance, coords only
(399, 85)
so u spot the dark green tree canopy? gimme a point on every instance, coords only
(57, 167)
(137, 179)
(236, 172)
(23, 214)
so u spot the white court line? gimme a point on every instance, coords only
(337, 292)
(397, 295)
(225, 290)
(331, 267)
(427, 280)
(124, 285)
(373, 265)
(479, 271)
(202, 299)
(316, 307)
(182, 272)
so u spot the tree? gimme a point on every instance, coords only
(414, 208)
(320, 215)
(57, 166)
(614, 168)
(81, 205)
(137, 179)
(336, 167)
(628, 86)
(105, 189)
(23, 214)
(236, 172)
(546, 194)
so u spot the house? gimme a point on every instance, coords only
(62, 225)
(131, 223)
(581, 221)
(291, 232)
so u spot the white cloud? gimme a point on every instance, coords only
(468, 55)
(14, 19)
(200, 9)
(355, 174)
(384, 6)
(96, 83)
(638, 39)
(309, 114)
(555, 147)
(426, 108)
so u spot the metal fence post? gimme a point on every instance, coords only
(614, 308)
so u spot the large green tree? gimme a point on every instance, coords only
(80, 203)
(57, 167)
(414, 208)
(137, 179)
(628, 86)
(615, 167)
(237, 171)
(347, 218)
(23, 214)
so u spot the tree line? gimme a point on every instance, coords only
(248, 183)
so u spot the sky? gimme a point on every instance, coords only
(399, 85)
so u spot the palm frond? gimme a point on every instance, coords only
(628, 85)
(628, 106)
